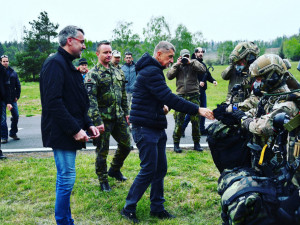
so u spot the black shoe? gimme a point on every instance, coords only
(2, 156)
(129, 216)
(15, 137)
(105, 186)
(197, 147)
(162, 215)
(3, 141)
(177, 149)
(116, 174)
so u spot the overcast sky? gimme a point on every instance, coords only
(217, 20)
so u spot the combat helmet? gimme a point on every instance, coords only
(244, 50)
(271, 68)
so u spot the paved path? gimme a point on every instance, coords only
(30, 134)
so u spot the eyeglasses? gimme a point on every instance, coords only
(4, 56)
(81, 41)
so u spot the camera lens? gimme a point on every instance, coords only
(184, 61)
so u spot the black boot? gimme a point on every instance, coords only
(104, 186)
(177, 149)
(197, 147)
(116, 174)
(2, 156)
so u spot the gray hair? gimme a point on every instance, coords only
(67, 32)
(164, 46)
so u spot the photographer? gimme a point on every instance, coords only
(186, 72)
(202, 78)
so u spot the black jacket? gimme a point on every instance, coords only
(204, 77)
(5, 94)
(151, 93)
(64, 102)
(15, 86)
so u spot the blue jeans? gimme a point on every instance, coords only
(14, 121)
(152, 152)
(66, 173)
(203, 103)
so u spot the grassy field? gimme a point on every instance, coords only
(27, 193)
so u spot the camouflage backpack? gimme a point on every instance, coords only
(247, 198)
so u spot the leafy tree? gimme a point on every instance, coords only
(183, 40)
(262, 46)
(38, 46)
(125, 40)
(281, 54)
(291, 48)
(89, 53)
(157, 30)
(224, 50)
(1, 49)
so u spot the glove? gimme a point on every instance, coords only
(237, 115)
(245, 123)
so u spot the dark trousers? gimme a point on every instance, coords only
(152, 152)
(203, 104)
(119, 129)
(14, 121)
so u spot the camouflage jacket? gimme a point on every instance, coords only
(230, 74)
(263, 126)
(107, 95)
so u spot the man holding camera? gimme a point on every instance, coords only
(186, 73)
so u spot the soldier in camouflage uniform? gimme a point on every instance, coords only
(270, 71)
(116, 58)
(106, 89)
(271, 74)
(188, 88)
(238, 70)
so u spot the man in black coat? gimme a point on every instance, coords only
(151, 99)
(15, 92)
(4, 95)
(64, 115)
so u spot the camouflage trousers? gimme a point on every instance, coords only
(119, 129)
(195, 120)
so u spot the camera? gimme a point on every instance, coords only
(184, 61)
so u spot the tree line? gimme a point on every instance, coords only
(38, 43)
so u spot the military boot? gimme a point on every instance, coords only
(104, 186)
(177, 149)
(197, 147)
(2, 156)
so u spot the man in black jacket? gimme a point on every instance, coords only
(64, 115)
(15, 91)
(151, 99)
(4, 96)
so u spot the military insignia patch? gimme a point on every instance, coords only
(89, 87)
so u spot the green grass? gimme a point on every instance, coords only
(28, 190)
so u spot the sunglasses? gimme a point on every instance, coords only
(4, 56)
(81, 41)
